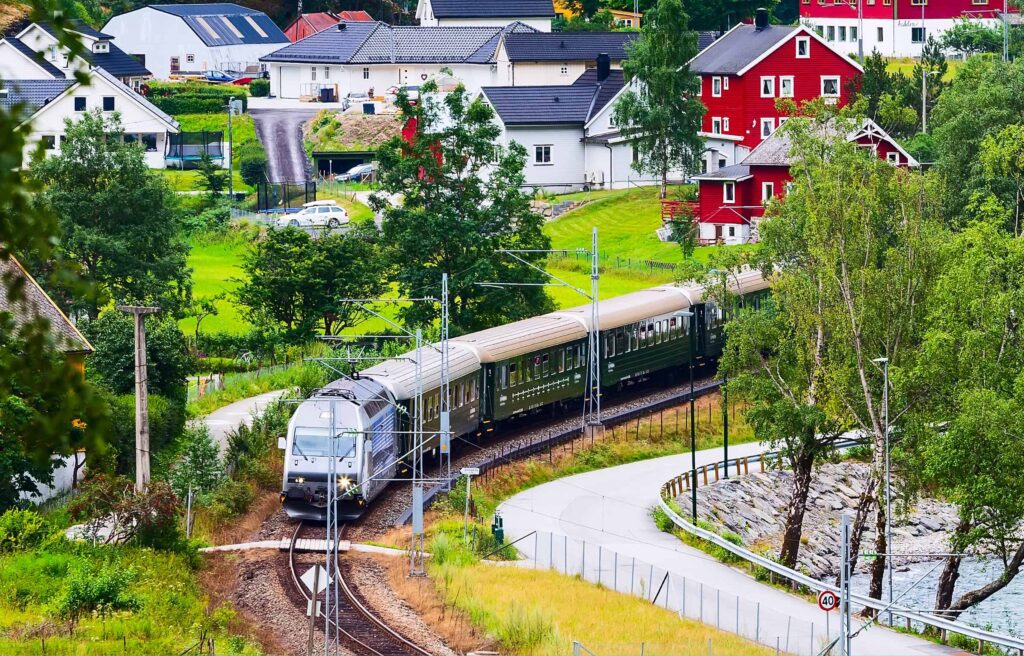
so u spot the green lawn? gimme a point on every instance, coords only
(214, 262)
(188, 180)
(906, 65)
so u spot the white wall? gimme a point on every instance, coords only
(741, 233)
(539, 24)
(15, 66)
(62, 479)
(896, 34)
(135, 118)
(160, 36)
(565, 172)
(293, 80)
(525, 74)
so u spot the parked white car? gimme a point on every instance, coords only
(318, 214)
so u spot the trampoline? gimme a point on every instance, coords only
(186, 149)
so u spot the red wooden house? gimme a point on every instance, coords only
(308, 24)
(731, 199)
(745, 71)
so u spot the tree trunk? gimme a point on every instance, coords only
(802, 470)
(881, 554)
(979, 595)
(867, 498)
(664, 183)
(951, 570)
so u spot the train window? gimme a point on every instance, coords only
(545, 361)
(536, 367)
(620, 340)
(512, 374)
(643, 336)
(471, 394)
(561, 360)
(503, 376)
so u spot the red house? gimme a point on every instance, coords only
(745, 71)
(309, 24)
(895, 28)
(731, 199)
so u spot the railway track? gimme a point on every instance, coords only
(359, 628)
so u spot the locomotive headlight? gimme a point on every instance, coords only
(344, 482)
(300, 480)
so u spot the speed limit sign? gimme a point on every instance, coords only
(828, 600)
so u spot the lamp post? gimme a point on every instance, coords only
(888, 495)
(924, 97)
(693, 430)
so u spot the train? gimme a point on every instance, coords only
(495, 375)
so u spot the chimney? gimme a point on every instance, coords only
(604, 66)
(761, 19)
(341, 27)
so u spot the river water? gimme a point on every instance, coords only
(1003, 612)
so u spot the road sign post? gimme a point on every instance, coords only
(828, 600)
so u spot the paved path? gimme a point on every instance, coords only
(610, 510)
(224, 420)
(280, 131)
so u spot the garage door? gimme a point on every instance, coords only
(288, 82)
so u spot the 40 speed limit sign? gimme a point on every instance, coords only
(828, 600)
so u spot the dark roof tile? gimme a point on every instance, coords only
(567, 46)
(31, 94)
(36, 57)
(76, 25)
(492, 8)
(117, 62)
(738, 48)
(33, 303)
(575, 103)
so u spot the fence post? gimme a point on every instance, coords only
(715, 465)
(632, 574)
(701, 601)
(583, 562)
(704, 469)
(535, 538)
(600, 558)
(789, 620)
(761, 460)
(718, 608)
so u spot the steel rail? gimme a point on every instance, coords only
(571, 433)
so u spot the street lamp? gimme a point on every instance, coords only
(924, 96)
(693, 431)
(888, 496)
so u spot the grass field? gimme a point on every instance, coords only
(188, 180)
(215, 261)
(906, 65)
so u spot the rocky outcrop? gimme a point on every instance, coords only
(754, 507)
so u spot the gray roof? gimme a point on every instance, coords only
(33, 303)
(137, 97)
(492, 8)
(567, 46)
(364, 42)
(553, 105)
(116, 62)
(775, 149)
(75, 25)
(733, 172)
(739, 47)
(31, 94)
(705, 39)
(218, 15)
(36, 57)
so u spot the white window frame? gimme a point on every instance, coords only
(716, 130)
(725, 124)
(190, 59)
(806, 42)
(893, 157)
(716, 82)
(769, 81)
(327, 72)
(782, 86)
(113, 101)
(924, 34)
(770, 123)
(825, 78)
(782, 119)
(830, 33)
(85, 104)
(841, 33)
(729, 193)
(700, 87)
(767, 191)
(538, 160)
(366, 72)
(725, 83)
(853, 33)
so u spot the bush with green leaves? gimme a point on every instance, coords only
(89, 589)
(194, 97)
(198, 467)
(252, 162)
(166, 421)
(259, 88)
(21, 530)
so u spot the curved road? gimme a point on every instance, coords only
(609, 511)
(280, 131)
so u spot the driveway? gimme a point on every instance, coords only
(280, 130)
(599, 524)
(222, 421)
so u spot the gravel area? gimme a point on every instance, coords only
(370, 578)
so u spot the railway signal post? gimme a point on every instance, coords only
(692, 316)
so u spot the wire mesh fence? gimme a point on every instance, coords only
(685, 596)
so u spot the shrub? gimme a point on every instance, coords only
(88, 589)
(252, 163)
(259, 88)
(213, 218)
(21, 530)
(523, 631)
(111, 502)
(198, 467)
(166, 421)
(194, 97)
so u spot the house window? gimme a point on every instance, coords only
(786, 86)
(366, 72)
(979, 2)
(149, 141)
(79, 103)
(312, 73)
(881, 34)
(729, 192)
(917, 35)
(327, 72)
(853, 34)
(563, 70)
(721, 162)
(190, 59)
(725, 82)
(716, 87)
(725, 124)
(842, 33)
(803, 47)
(767, 127)
(918, 3)
(716, 125)
(542, 155)
(768, 87)
(830, 33)
(732, 231)
(893, 157)
(767, 191)
(700, 87)
(782, 119)
(887, 3)
(830, 86)
(108, 103)
(49, 141)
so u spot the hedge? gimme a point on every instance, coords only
(252, 163)
(194, 97)
(259, 88)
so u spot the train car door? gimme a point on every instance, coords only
(702, 333)
(487, 392)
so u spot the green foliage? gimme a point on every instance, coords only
(463, 202)
(88, 589)
(194, 97)
(969, 37)
(198, 467)
(661, 115)
(110, 505)
(213, 178)
(259, 88)
(1002, 157)
(523, 630)
(718, 15)
(599, 21)
(113, 363)
(231, 498)
(21, 530)
(922, 148)
(252, 162)
(294, 282)
(211, 219)
(118, 219)
(248, 446)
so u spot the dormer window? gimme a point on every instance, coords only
(803, 47)
(101, 46)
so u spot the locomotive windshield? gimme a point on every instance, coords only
(314, 442)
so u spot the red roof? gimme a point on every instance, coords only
(309, 24)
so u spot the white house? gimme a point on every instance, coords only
(538, 14)
(173, 39)
(48, 102)
(39, 43)
(537, 58)
(570, 137)
(369, 57)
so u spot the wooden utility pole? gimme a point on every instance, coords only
(139, 312)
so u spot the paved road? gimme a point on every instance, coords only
(280, 130)
(224, 420)
(608, 511)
